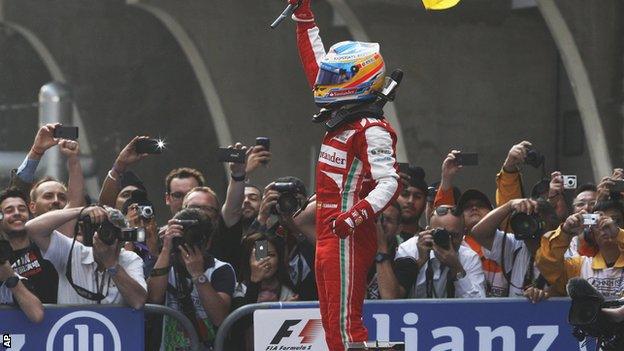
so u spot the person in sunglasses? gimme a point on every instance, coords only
(435, 264)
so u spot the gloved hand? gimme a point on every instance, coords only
(346, 222)
(303, 13)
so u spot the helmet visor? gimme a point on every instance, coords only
(331, 75)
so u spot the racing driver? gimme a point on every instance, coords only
(355, 176)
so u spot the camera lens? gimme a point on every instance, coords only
(524, 226)
(147, 212)
(288, 203)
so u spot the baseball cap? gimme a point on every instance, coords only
(472, 194)
(439, 4)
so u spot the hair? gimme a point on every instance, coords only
(199, 233)
(255, 187)
(33, 190)
(13, 192)
(202, 189)
(182, 173)
(586, 187)
(301, 189)
(609, 205)
(247, 246)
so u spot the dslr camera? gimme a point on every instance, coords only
(442, 238)
(534, 225)
(287, 203)
(114, 227)
(196, 228)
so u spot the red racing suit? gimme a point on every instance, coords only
(356, 162)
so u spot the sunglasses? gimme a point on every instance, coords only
(444, 210)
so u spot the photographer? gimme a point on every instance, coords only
(264, 278)
(188, 279)
(387, 244)
(102, 273)
(603, 271)
(515, 253)
(286, 211)
(435, 264)
(139, 212)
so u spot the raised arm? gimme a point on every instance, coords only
(75, 184)
(509, 179)
(40, 228)
(25, 174)
(232, 209)
(484, 231)
(126, 158)
(309, 43)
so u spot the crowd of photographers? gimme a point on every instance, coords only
(216, 252)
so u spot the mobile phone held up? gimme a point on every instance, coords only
(65, 132)
(262, 249)
(225, 154)
(264, 142)
(149, 146)
(467, 159)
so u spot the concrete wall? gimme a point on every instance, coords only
(479, 77)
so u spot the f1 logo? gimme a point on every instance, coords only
(309, 332)
(284, 331)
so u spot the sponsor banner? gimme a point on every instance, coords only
(333, 157)
(492, 324)
(82, 328)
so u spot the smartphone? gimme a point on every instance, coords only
(225, 154)
(467, 159)
(262, 249)
(403, 167)
(264, 142)
(618, 187)
(442, 238)
(66, 132)
(149, 146)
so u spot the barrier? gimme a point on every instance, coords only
(83, 327)
(451, 324)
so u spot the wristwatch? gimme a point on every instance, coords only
(202, 279)
(461, 274)
(11, 282)
(382, 256)
(112, 271)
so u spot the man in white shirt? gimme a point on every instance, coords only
(100, 274)
(516, 252)
(424, 269)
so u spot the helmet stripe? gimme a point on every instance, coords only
(367, 76)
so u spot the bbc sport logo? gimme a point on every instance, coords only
(80, 335)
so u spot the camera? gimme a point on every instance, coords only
(145, 208)
(145, 212)
(588, 320)
(534, 225)
(287, 203)
(442, 238)
(196, 228)
(569, 181)
(534, 158)
(590, 219)
(115, 227)
(6, 251)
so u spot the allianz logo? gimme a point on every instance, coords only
(80, 337)
(453, 337)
